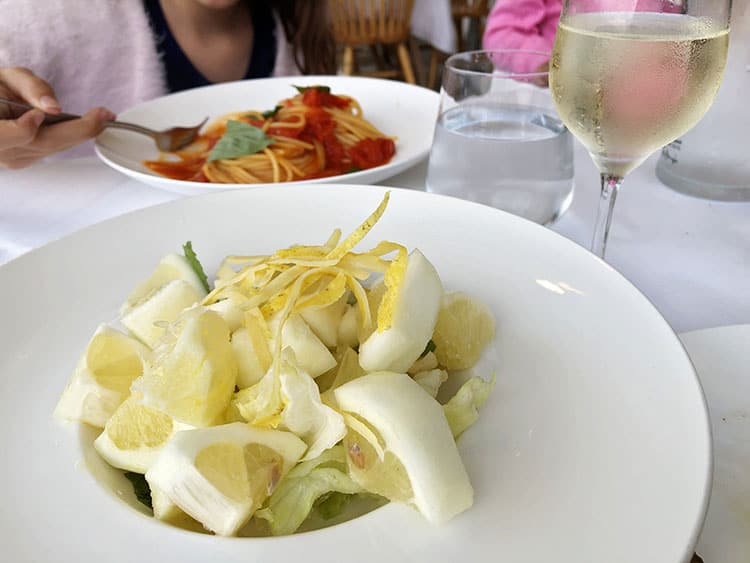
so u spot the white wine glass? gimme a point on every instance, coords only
(630, 76)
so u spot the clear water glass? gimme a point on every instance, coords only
(498, 139)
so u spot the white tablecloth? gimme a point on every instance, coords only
(431, 21)
(690, 257)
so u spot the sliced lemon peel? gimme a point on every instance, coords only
(393, 278)
(312, 276)
(360, 232)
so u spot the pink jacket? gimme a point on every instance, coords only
(531, 25)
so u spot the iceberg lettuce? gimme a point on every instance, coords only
(294, 497)
(463, 409)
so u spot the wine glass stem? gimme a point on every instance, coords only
(610, 186)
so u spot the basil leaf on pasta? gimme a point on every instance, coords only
(240, 139)
(271, 112)
(319, 88)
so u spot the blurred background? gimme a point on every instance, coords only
(406, 40)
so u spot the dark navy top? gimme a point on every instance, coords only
(180, 72)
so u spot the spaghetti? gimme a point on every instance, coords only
(314, 134)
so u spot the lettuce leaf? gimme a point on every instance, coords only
(319, 426)
(463, 409)
(289, 399)
(294, 497)
(332, 504)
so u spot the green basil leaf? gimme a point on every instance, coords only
(195, 264)
(431, 346)
(240, 139)
(271, 112)
(140, 487)
(318, 87)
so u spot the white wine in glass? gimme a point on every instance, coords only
(628, 82)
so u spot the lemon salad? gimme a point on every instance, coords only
(302, 380)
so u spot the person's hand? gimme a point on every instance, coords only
(22, 140)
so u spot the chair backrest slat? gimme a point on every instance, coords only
(371, 21)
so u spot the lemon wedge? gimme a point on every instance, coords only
(148, 318)
(192, 378)
(230, 311)
(221, 475)
(171, 267)
(101, 380)
(464, 328)
(133, 436)
(413, 313)
(347, 334)
(167, 511)
(421, 464)
(431, 380)
(312, 355)
(325, 321)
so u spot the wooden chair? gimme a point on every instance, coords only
(476, 11)
(473, 10)
(375, 23)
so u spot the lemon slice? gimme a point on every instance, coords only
(171, 267)
(464, 328)
(312, 355)
(148, 318)
(134, 435)
(101, 380)
(325, 321)
(431, 380)
(412, 320)
(221, 475)
(230, 311)
(347, 334)
(425, 363)
(421, 465)
(253, 358)
(192, 380)
(167, 511)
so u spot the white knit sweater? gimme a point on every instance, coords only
(93, 52)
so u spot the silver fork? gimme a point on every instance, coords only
(171, 139)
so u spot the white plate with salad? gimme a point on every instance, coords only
(398, 111)
(593, 445)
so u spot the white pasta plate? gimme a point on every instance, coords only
(397, 109)
(594, 445)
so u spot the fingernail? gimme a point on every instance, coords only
(106, 115)
(48, 103)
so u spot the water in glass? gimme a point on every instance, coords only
(517, 158)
